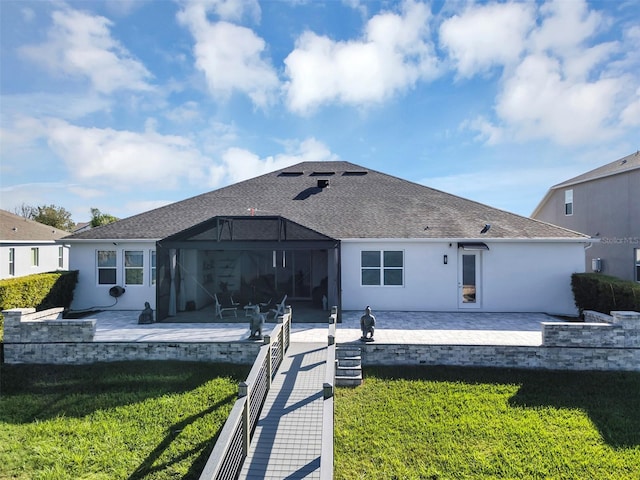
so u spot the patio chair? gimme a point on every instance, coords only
(279, 310)
(228, 306)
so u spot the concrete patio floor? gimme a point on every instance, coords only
(392, 327)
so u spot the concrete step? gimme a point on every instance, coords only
(349, 368)
(350, 362)
(344, 352)
(349, 381)
(349, 371)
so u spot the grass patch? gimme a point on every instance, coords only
(130, 420)
(457, 423)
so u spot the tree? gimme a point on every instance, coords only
(98, 218)
(25, 211)
(52, 215)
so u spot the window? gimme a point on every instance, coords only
(568, 202)
(637, 250)
(35, 256)
(60, 257)
(152, 255)
(382, 267)
(12, 261)
(133, 267)
(106, 267)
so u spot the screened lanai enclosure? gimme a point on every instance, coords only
(253, 259)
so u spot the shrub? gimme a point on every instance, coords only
(41, 291)
(602, 293)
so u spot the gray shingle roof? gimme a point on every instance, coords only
(14, 228)
(358, 203)
(625, 164)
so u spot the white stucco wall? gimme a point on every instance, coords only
(516, 276)
(48, 254)
(89, 295)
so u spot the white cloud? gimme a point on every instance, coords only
(242, 164)
(81, 45)
(124, 159)
(558, 82)
(234, 10)
(187, 112)
(394, 53)
(537, 102)
(484, 36)
(69, 106)
(487, 132)
(630, 116)
(230, 56)
(566, 26)
(27, 14)
(42, 193)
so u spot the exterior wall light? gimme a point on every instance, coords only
(445, 259)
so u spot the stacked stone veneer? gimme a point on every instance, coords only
(92, 352)
(618, 330)
(45, 337)
(602, 342)
(25, 325)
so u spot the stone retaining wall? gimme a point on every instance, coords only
(549, 358)
(596, 345)
(596, 317)
(603, 343)
(92, 352)
(25, 325)
(622, 330)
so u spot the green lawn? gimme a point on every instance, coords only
(455, 423)
(134, 420)
(159, 420)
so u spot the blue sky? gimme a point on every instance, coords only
(128, 105)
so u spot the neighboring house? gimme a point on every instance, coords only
(605, 204)
(82, 227)
(28, 247)
(334, 229)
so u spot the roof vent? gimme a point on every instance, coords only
(323, 183)
(322, 174)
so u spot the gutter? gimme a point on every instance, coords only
(108, 240)
(585, 239)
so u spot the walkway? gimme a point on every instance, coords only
(287, 441)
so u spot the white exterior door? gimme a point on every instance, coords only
(469, 284)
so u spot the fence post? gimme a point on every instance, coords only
(267, 341)
(243, 392)
(281, 343)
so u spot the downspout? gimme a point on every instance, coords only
(339, 313)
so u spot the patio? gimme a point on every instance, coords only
(392, 327)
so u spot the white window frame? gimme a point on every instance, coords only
(35, 256)
(637, 264)
(60, 257)
(382, 269)
(12, 262)
(113, 267)
(133, 268)
(153, 267)
(568, 202)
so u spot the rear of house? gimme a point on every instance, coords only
(331, 231)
